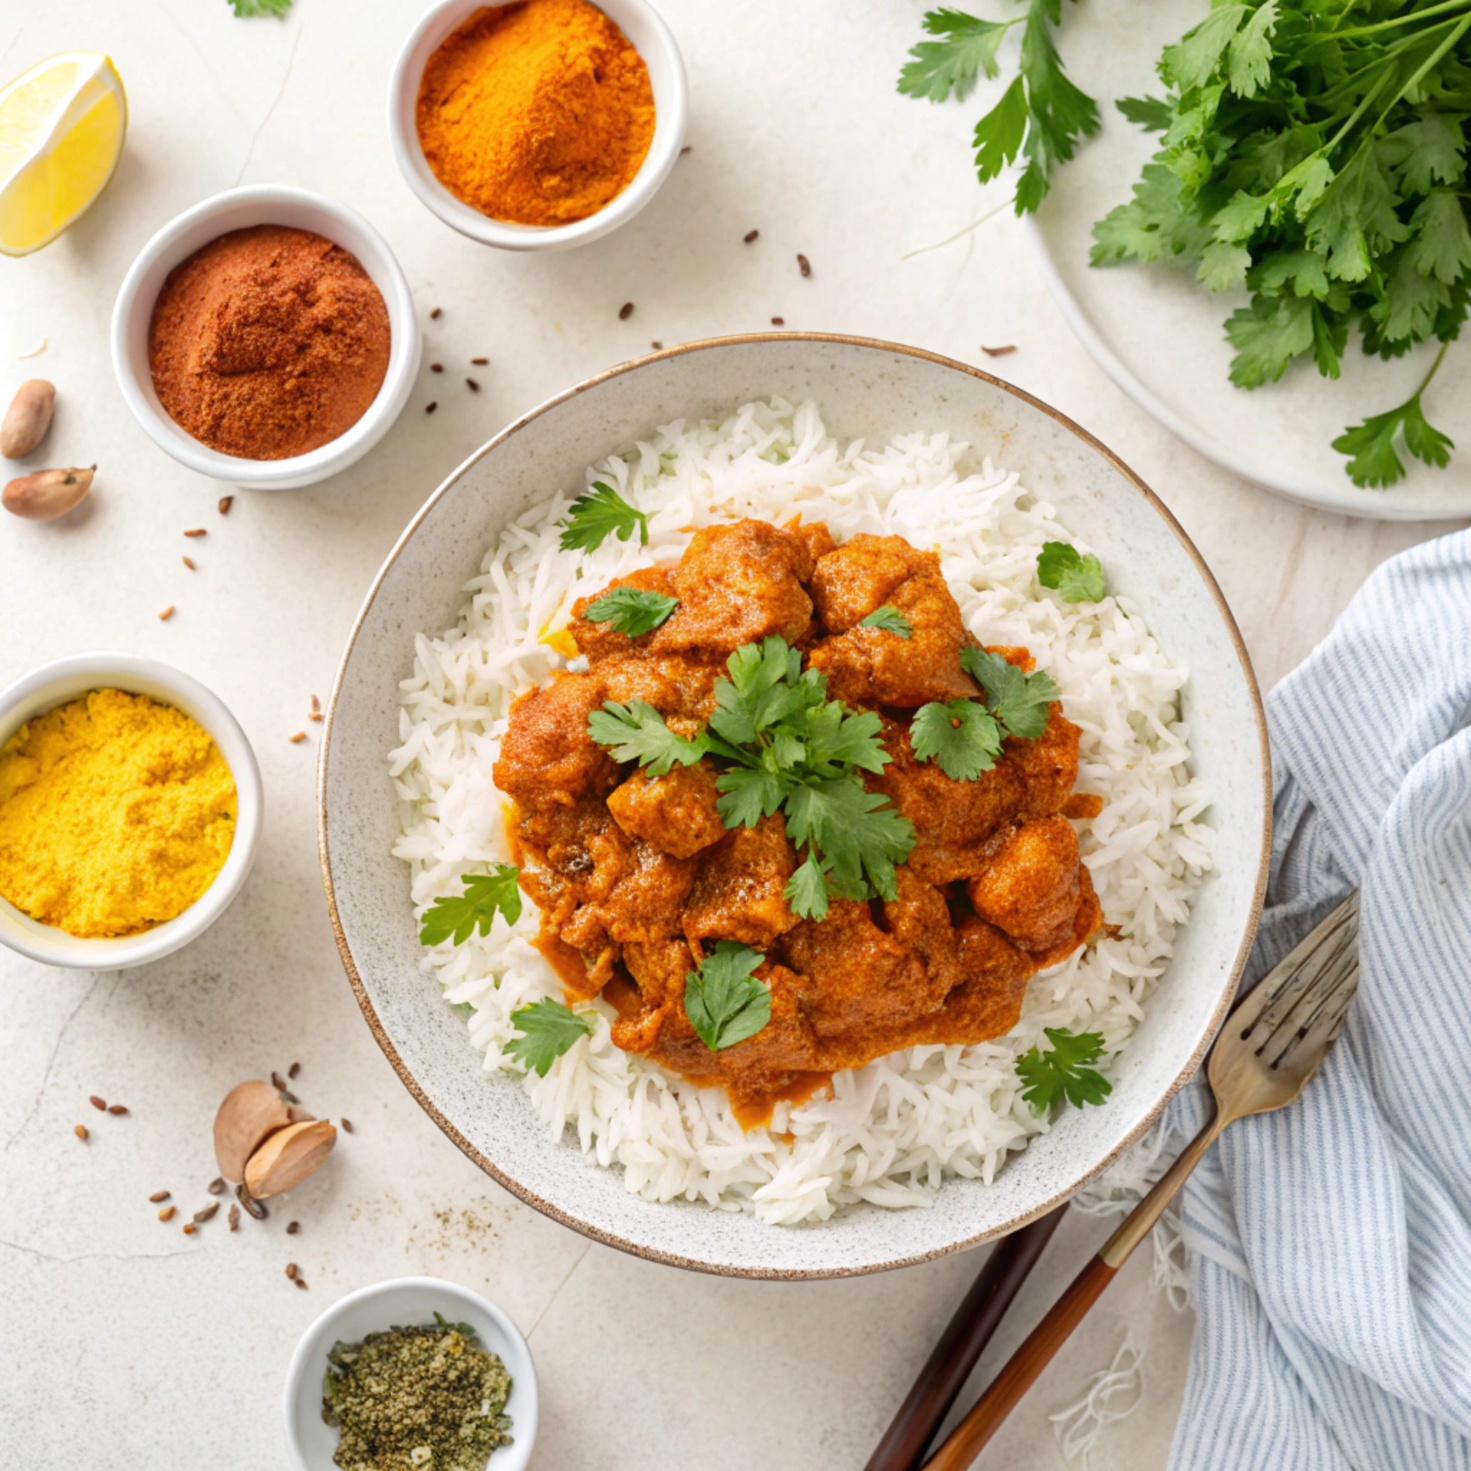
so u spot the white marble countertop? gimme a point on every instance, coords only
(126, 1342)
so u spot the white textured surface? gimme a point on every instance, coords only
(138, 1343)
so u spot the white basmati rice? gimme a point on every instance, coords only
(890, 1133)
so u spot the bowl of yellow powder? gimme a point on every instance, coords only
(130, 807)
(538, 124)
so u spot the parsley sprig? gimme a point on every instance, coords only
(632, 610)
(547, 1029)
(889, 619)
(596, 513)
(792, 750)
(1316, 156)
(1064, 1071)
(1075, 577)
(485, 896)
(1018, 701)
(723, 999)
(1041, 116)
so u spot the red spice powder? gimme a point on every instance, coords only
(268, 342)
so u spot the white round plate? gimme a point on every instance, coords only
(865, 389)
(1160, 335)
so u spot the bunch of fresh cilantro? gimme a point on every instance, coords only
(1315, 154)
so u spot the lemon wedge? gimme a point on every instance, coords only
(62, 125)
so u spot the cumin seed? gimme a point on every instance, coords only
(81, 1132)
(804, 265)
(166, 614)
(434, 315)
(778, 321)
(436, 367)
(291, 1270)
(293, 1227)
(190, 1228)
(234, 1218)
(207, 1214)
(295, 1067)
(277, 1084)
(116, 1108)
(998, 352)
(299, 736)
(253, 1207)
(347, 1125)
(157, 1196)
(430, 408)
(189, 564)
(168, 1213)
(473, 385)
(301, 1283)
(198, 531)
(479, 362)
(226, 501)
(752, 235)
(98, 1103)
(625, 311)
(216, 1186)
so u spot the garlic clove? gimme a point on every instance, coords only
(288, 1157)
(47, 494)
(27, 419)
(249, 1114)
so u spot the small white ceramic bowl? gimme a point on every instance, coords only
(405, 1302)
(238, 209)
(56, 684)
(651, 38)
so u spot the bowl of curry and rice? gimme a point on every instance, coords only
(794, 806)
(130, 809)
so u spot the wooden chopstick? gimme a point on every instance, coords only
(968, 1332)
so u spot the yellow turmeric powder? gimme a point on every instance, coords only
(536, 113)
(116, 813)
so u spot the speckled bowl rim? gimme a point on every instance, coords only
(673, 1259)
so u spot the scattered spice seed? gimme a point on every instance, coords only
(81, 1132)
(189, 564)
(207, 1214)
(277, 1084)
(293, 1227)
(687, 147)
(234, 1218)
(657, 346)
(474, 386)
(168, 1213)
(430, 408)
(436, 367)
(625, 311)
(998, 352)
(157, 1196)
(347, 1126)
(291, 1270)
(226, 501)
(479, 362)
(253, 1207)
(804, 265)
(166, 614)
(98, 1103)
(751, 235)
(301, 1283)
(190, 1228)
(116, 1108)
(216, 1186)
(316, 715)
(198, 531)
(299, 736)
(778, 321)
(295, 1067)
(434, 315)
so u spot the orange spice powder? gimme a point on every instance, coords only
(536, 113)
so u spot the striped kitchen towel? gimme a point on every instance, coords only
(1330, 1243)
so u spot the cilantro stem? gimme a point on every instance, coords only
(1427, 65)
(1434, 368)
(990, 214)
(1402, 20)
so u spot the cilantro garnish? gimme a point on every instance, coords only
(547, 1030)
(485, 896)
(247, 8)
(1077, 578)
(960, 736)
(1018, 701)
(1063, 1072)
(596, 513)
(1316, 156)
(891, 620)
(790, 749)
(636, 732)
(632, 610)
(723, 1000)
(1041, 115)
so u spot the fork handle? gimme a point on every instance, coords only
(1025, 1366)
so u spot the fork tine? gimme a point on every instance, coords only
(1325, 985)
(1315, 1029)
(1341, 925)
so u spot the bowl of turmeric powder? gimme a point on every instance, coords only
(130, 809)
(540, 124)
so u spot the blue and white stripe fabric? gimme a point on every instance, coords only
(1330, 1243)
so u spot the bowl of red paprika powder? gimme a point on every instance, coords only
(266, 337)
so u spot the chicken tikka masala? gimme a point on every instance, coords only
(648, 874)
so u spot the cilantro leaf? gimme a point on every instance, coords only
(1075, 577)
(485, 896)
(723, 1000)
(1018, 701)
(597, 512)
(941, 68)
(244, 9)
(1064, 1071)
(860, 837)
(1372, 443)
(891, 620)
(960, 736)
(632, 610)
(747, 794)
(1153, 114)
(636, 732)
(548, 1029)
(1267, 335)
(1058, 112)
(806, 890)
(998, 136)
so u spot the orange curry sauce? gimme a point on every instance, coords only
(636, 878)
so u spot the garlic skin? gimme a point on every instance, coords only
(250, 1113)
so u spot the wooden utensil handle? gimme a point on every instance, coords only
(1022, 1371)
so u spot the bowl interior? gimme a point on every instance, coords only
(406, 1301)
(652, 40)
(864, 389)
(66, 681)
(238, 210)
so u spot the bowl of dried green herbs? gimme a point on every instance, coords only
(412, 1372)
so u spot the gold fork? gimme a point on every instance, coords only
(1269, 1047)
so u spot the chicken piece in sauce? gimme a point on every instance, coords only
(637, 877)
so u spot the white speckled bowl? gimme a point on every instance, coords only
(875, 390)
